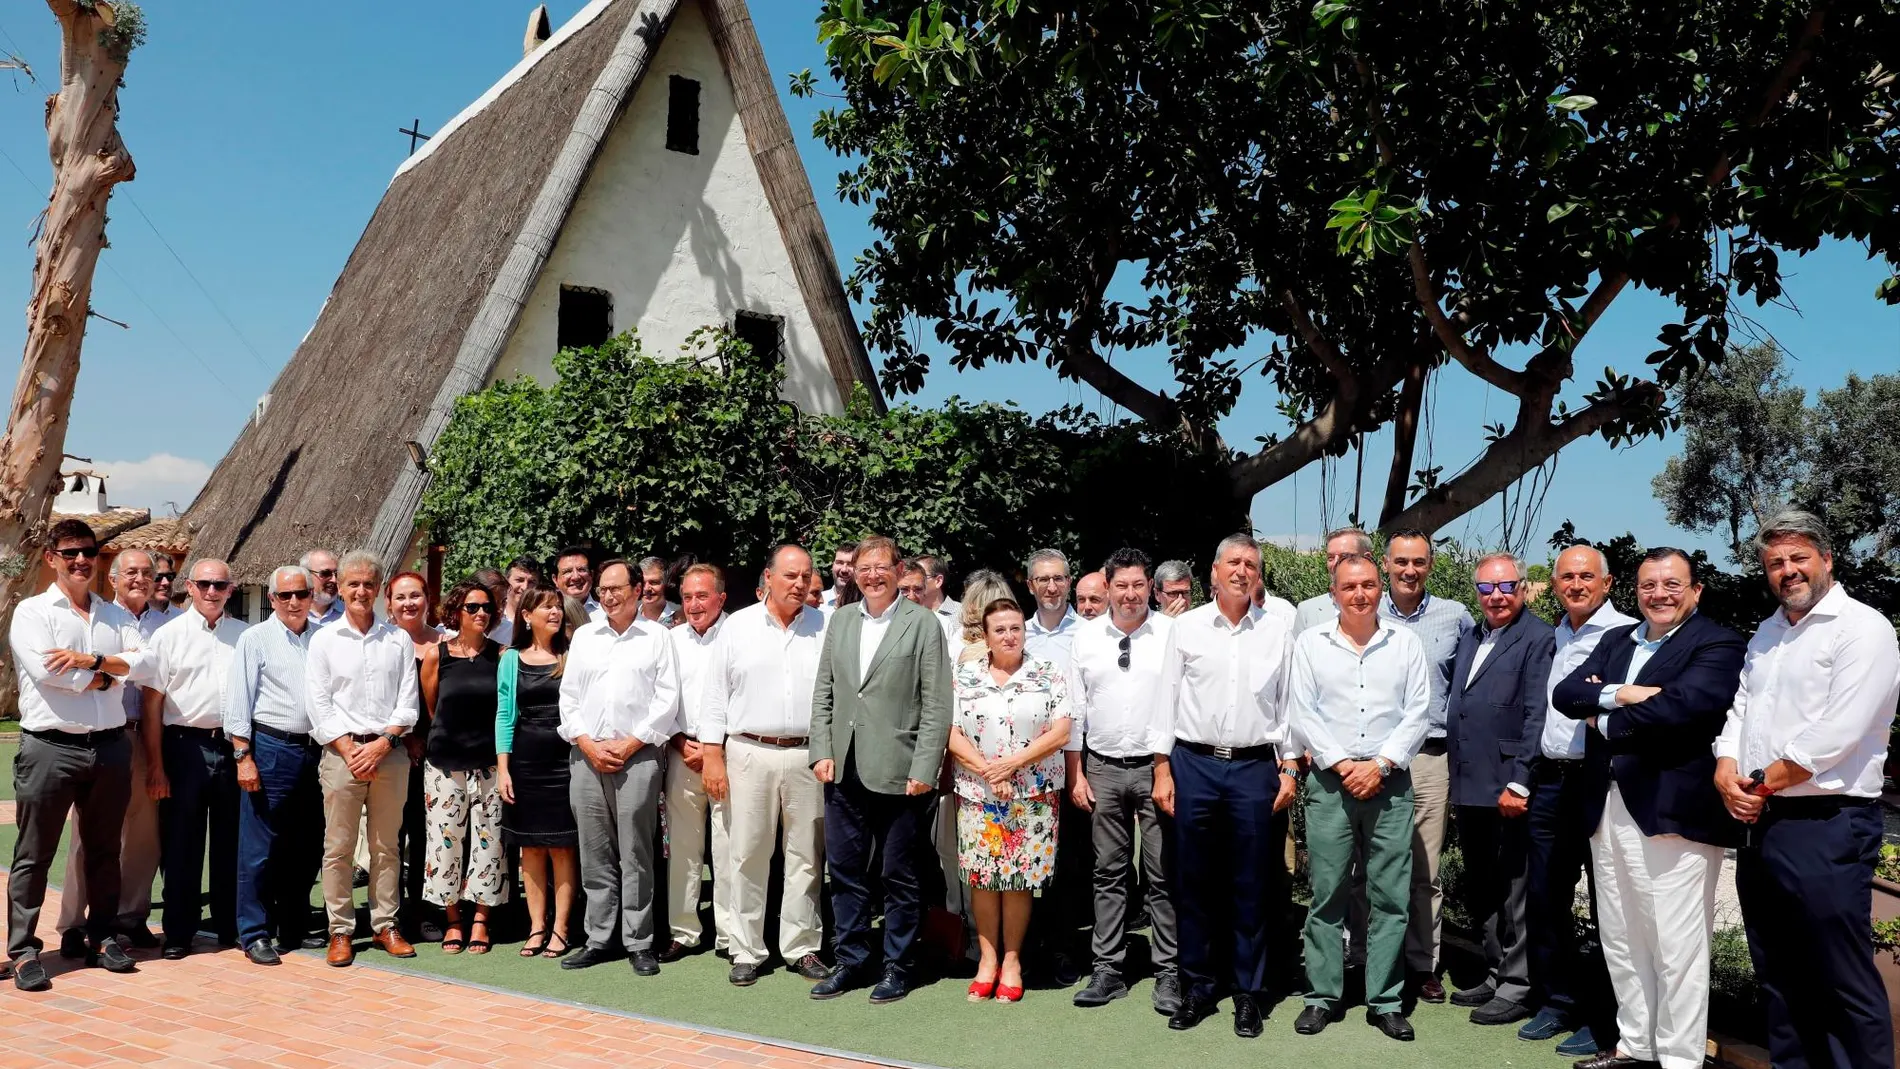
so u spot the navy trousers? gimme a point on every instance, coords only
(204, 795)
(1806, 887)
(280, 842)
(1563, 977)
(1229, 883)
(863, 827)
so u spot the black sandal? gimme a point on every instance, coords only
(451, 943)
(477, 946)
(565, 950)
(530, 949)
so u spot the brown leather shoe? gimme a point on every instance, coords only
(341, 951)
(1428, 988)
(392, 941)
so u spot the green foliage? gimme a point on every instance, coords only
(1732, 975)
(1737, 600)
(127, 29)
(634, 455)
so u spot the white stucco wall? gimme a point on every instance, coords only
(681, 241)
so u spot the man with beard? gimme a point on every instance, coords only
(325, 606)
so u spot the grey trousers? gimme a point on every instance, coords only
(50, 778)
(1124, 798)
(618, 816)
(138, 856)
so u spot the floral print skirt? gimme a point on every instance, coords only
(1006, 846)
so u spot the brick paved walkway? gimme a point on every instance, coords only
(215, 1008)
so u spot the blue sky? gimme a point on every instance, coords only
(265, 134)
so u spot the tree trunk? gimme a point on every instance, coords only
(1404, 443)
(82, 138)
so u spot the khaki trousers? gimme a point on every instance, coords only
(688, 812)
(773, 789)
(138, 858)
(377, 804)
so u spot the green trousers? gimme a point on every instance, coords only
(1382, 825)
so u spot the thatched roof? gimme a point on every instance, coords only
(110, 524)
(424, 305)
(169, 535)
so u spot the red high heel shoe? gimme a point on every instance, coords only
(1008, 994)
(981, 990)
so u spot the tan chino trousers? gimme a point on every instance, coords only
(377, 803)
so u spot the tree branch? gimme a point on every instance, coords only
(1477, 362)
(1319, 344)
(1081, 360)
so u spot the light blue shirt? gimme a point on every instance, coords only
(1439, 623)
(1645, 649)
(267, 683)
(1563, 737)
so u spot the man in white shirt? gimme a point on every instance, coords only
(620, 698)
(326, 604)
(949, 611)
(1091, 595)
(654, 608)
(842, 560)
(192, 774)
(1174, 587)
(757, 733)
(1360, 705)
(1321, 608)
(1227, 784)
(1799, 762)
(133, 579)
(1574, 987)
(689, 808)
(1119, 694)
(70, 651)
(360, 682)
(280, 818)
(1059, 925)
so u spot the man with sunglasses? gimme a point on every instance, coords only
(1121, 728)
(132, 577)
(1494, 724)
(326, 607)
(70, 651)
(164, 570)
(280, 816)
(193, 773)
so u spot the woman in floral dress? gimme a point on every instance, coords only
(1012, 720)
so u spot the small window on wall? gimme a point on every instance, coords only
(587, 317)
(760, 331)
(682, 115)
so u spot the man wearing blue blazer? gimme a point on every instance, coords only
(1494, 718)
(1654, 697)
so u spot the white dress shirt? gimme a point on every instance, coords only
(155, 616)
(1349, 705)
(1563, 737)
(950, 618)
(45, 622)
(1819, 693)
(1121, 712)
(872, 633)
(191, 665)
(1313, 612)
(1282, 608)
(1226, 682)
(1053, 644)
(360, 683)
(693, 652)
(267, 684)
(763, 674)
(620, 685)
(1486, 644)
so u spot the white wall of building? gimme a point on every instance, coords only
(681, 241)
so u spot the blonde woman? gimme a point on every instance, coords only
(981, 588)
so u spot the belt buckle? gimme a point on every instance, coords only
(1225, 753)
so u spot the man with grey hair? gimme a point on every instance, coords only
(1799, 762)
(654, 608)
(133, 574)
(1174, 587)
(266, 716)
(1321, 608)
(360, 682)
(325, 606)
(1049, 634)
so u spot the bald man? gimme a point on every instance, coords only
(1091, 595)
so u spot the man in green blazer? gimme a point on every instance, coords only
(880, 720)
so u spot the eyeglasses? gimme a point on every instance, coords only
(618, 588)
(1669, 586)
(1123, 659)
(1044, 580)
(218, 586)
(478, 606)
(875, 569)
(74, 552)
(164, 577)
(323, 573)
(292, 595)
(1509, 586)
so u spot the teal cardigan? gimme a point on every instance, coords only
(505, 701)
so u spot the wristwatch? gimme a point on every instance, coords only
(393, 738)
(98, 661)
(1385, 767)
(1295, 771)
(239, 755)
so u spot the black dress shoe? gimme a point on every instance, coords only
(359, 878)
(891, 988)
(1190, 1012)
(262, 953)
(674, 951)
(30, 975)
(1473, 997)
(1104, 987)
(111, 957)
(1167, 992)
(313, 942)
(1500, 1011)
(175, 951)
(1312, 1021)
(1393, 1025)
(1610, 1059)
(1246, 1017)
(645, 963)
(73, 945)
(811, 967)
(839, 981)
(588, 957)
(743, 975)
(140, 937)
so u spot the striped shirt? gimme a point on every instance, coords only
(267, 683)
(1439, 623)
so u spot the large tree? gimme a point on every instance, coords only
(1348, 197)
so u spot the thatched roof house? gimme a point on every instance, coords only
(634, 170)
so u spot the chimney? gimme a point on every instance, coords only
(538, 30)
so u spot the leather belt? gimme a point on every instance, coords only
(88, 739)
(213, 734)
(365, 737)
(785, 742)
(295, 738)
(1138, 761)
(1228, 753)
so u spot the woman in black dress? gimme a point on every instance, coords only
(532, 759)
(461, 786)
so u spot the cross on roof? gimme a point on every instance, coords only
(415, 135)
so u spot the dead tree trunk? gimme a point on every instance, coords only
(82, 138)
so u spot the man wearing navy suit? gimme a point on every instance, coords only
(1654, 697)
(1493, 721)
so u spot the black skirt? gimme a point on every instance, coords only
(540, 815)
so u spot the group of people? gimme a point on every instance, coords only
(1056, 766)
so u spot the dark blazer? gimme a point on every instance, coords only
(1494, 723)
(1661, 752)
(895, 719)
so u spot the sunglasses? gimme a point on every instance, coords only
(1509, 586)
(164, 577)
(75, 552)
(292, 595)
(1123, 659)
(324, 573)
(478, 606)
(214, 585)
